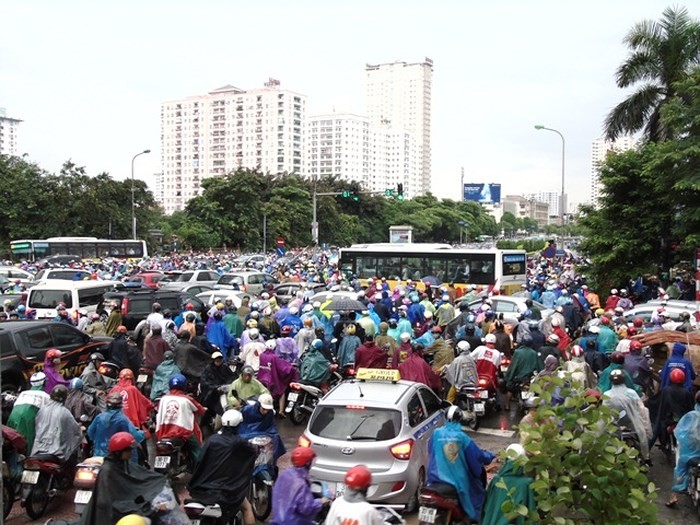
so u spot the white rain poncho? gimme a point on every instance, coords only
(688, 437)
(621, 398)
(57, 432)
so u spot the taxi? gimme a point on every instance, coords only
(380, 421)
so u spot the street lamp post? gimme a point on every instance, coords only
(562, 197)
(133, 200)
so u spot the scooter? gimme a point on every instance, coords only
(204, 514)
(8, 490)
(694, 485)
(172, 459)
(473, 400)
(303, 397)
(439, 504)
(264, 475)
(44, 475)
(84, 480)
(144, 380)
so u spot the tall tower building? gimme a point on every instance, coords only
(398, 95)
(9, 130)
(600, 148)
(226, 129)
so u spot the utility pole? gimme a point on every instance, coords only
(461, 186)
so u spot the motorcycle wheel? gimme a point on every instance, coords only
(8, 497)
(474, 422)
(298, 415)
(261, 499)
(38, 498)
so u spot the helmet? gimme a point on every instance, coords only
(632, 330)
(114, 400)
(677, 376)
(490, 339)
(463, 346)
(617, 377)
(317, 344)
(37, 379)
(605, 320)
(59, 393)
(121, 329)
(156, 307)
(358, 478)
(177, 382)
(638, 322)
(134, 519)
(76, 384)
(97, 357)
(126, 373)
(685, 316)
(253, 333)
(53, 354)
(121, 441)
(556, 322)
(618, 358)
(405, 337)
(270, 344)
(527, 314)
(218, 315)
(286, 330)
(190, 317)
(266, 402)
(636, 346)
(577, 351)
(517, 449)
(454, 414)
(302, 456)
(231, 418)
(553, 338)
(527, 340)
(592, 392)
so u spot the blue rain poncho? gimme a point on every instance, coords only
(688, 437)
(105, 425)
(161, 377)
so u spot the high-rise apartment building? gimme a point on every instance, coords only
(226, 129)
(351, 148)
(600, 148)
(158, 194)
(551, 198)
(398, 95)
(9, 131)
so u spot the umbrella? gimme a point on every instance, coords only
(345, 304)
(431, 280)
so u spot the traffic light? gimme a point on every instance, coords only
(399, 191)
(389, 192)
(355, 196)
(346, 194)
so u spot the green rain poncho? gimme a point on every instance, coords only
(513, 477)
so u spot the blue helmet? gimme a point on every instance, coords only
(177, 382)
(76, 384)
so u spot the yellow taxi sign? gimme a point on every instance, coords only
(377, 374)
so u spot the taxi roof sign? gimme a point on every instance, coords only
(377, 374)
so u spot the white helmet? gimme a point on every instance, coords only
(405, 337)
(253, 333)
(463, 346)
(270, 344)
(517, 450)
(266, 401)
(37, 379)
(490, 338)
(231, 418)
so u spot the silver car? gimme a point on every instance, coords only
(385, 425)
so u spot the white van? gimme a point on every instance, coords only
(76, 295)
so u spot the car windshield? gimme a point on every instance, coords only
(49, 299)
(183, 278)
(228, 279)
(355, 423)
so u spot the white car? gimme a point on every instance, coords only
(247, 281)
(63, 274)
(190, 277)
(13, 274)
(212, 297)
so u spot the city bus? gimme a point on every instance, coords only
(437, 264)
(86, 248)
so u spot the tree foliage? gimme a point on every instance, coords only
(661, 55)
(583, 473)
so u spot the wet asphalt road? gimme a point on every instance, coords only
(496, 433)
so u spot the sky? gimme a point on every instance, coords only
(88, 77)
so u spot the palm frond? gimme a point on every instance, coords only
(630, 115)
(641, 65)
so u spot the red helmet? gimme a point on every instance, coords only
(302, 456)
(577, 351)
(605, 320)
(53, 354)
(636, 346)
(618, 358)
(286, 330)
(121, 441)
(677, 376)
(126, 373)
(638, 322)
(189, 306)
(358, 478)
(632, 330)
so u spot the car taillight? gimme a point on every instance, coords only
(125, 306)
(483, 382)
(398, 486)
(402, 450)
(303, 441)
(355, 407)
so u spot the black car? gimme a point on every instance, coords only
(58, 260)
(285, 292)
(136, 304)
(23, 345)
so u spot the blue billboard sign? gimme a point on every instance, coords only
(483, 193)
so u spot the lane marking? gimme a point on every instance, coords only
(495, 432)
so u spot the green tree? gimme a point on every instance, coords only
(661, 54)
(583, 473)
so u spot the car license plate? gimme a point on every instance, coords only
(484, 394)
(526, 394)
(82, 496)
(479, 408)
(30, 477)
(162, 462)
(504, 368)
(142, 378)
(427, 515)
(293, 396)
(339, 489)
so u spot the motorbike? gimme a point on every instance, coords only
(144, 380)
(204, 514)
(303, 397)
(43, 477)
(84, 480)
(8, 490)
(320, 490)
(172, 459)
(694, 485)
(439, 505)
(264, 475)
(110, 370)
(473, 401)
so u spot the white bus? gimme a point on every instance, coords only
(86, 248)
(437, 263)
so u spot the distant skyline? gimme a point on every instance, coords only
(87, 78)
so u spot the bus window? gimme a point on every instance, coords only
(75, 249)
(117, 250)
(89, 251)
(347, 266)
(366, 267)
(134, 249)
(436, 268)
(412, 268)
(482, 269)
(57, 248)
(103, 249)
(389, 267)
(514, 264)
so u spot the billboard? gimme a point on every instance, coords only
(483, 193)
